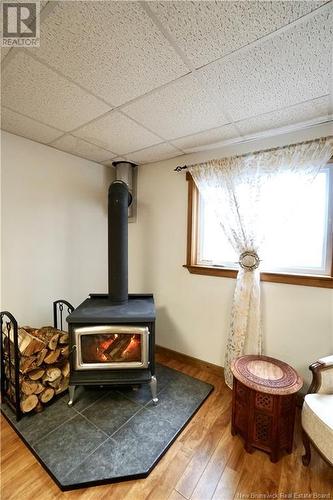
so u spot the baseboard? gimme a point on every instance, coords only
(184, 358)
(205, 365)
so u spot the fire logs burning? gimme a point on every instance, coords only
(111, 348)
(44, 365)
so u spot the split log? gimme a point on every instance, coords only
(53, 342)
(65, 369)
(41, 356)
(27, 363)
(36, 374)
(44, 366)
(65, 351)
(29, 329)
(63, 385)
(46, 333)
(56, 383)
(28, 387)
(23, 339)
(52, 374)
(28, 343)
(29, 403)
(46, 395)
(121, 345)
(64, 339)
(40, 388)
(39, 408)
(52, 357)
(113, 345)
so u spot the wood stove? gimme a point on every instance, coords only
(112, 336)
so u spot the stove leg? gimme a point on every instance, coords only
(153, 388)
(71, 389)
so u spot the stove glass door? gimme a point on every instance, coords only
(105, 347)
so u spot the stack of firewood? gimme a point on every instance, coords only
(44, 365)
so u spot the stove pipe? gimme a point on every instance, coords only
(118, 202)
(124, 171)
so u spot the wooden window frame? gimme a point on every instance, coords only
(192, 245)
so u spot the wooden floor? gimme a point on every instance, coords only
(205, 462)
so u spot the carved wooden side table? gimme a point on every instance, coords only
(264, 403)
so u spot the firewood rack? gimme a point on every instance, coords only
(10, 354)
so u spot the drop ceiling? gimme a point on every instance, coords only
(147, 81)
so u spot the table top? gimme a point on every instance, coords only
(265, 374)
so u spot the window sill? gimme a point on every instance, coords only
(290, 279)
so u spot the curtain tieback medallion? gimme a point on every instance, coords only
(249, 261)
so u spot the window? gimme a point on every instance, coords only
(297, 250)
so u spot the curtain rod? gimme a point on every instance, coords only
(179, 168)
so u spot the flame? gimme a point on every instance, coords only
(102, 344)
(132, 346)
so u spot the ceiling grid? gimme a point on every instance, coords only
(191, 78)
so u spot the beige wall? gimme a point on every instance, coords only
(54, 232)
(193, 311)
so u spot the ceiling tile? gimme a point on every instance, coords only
(33, 89)
(26, 127)
(113, 49)
(303, 112)
(117, 133)
(206, 31)
(181, 108)
(155, 153)
(288, 68)
(78, 147)
(206, 138)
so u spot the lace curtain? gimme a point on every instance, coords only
(236, 189)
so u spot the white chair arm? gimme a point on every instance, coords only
(322, 371)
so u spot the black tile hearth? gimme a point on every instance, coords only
(163, 374)
(179, 400)
(132, 451)
(86, 396)
(110, 435)
(34, 427)
(111, 412)
(68, 445)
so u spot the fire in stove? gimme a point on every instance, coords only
(111, 347)
(114, 348)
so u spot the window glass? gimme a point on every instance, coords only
(296, 241)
